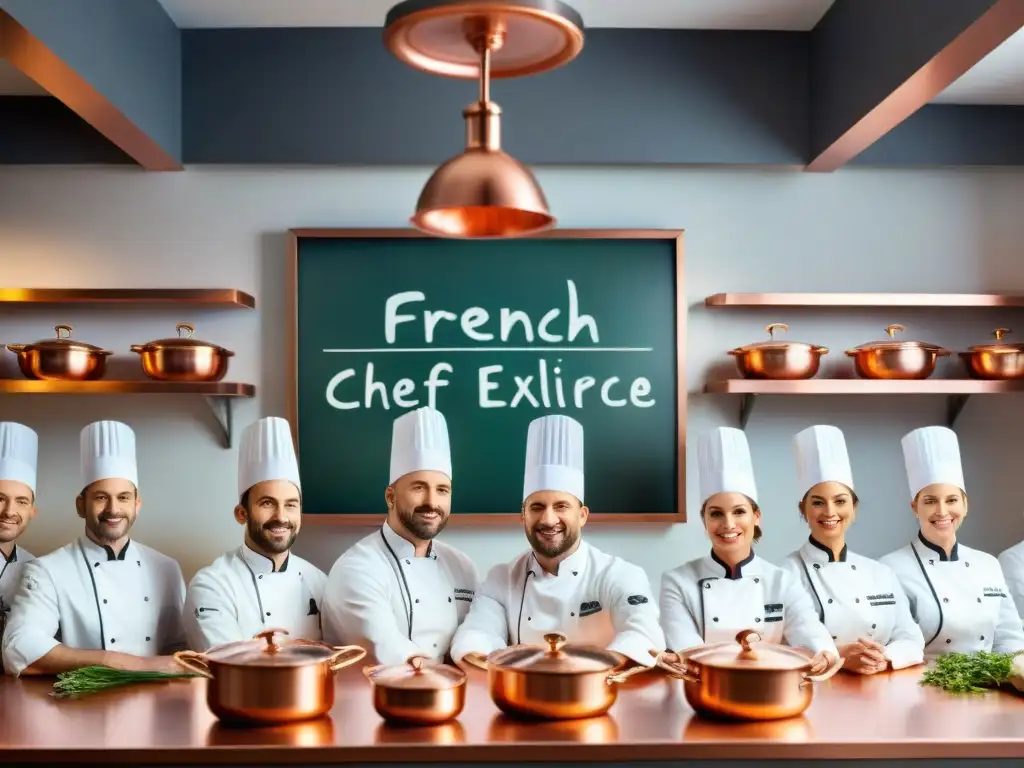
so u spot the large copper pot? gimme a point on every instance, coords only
(418, 692)
(896, 359)
(183, 358)
(559, 681)
(778, 359)
(996, 361)
(264, 682)
(61, 359)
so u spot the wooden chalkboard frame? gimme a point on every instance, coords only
(295, 236)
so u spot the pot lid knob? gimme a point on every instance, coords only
(1000, 332)
(59, 328)
(891, 330)
(771, 328)
(268, 635)
(555, 642)
(744, 638)
(185, 327)
(416, 662)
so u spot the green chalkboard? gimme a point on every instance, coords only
(493, 334)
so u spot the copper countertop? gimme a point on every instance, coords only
(887, 716)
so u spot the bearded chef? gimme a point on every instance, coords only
(262, 583)
(715, 597)
(859, 600)
(19, 452)
(562, 584)
(400, 592)
(104, 599)
(957, 595)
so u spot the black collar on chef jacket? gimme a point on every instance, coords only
(260, 563)
(828, 550)
(737, 571)
(92, 548)
(953, 555)
(13, 558)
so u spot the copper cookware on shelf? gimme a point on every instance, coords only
(896, 359)
(996, 361)
(778, 359)
(417, 692)
(61, 359)
(265, 682)
(557, 681)
(183, 358)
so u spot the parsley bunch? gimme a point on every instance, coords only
(96, 679)
(970, 672)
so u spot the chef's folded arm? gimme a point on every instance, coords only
(803, 628)
(210, 617)
(677, 616)
(485, 628)
(635, 613)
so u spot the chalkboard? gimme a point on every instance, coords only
(493, 333)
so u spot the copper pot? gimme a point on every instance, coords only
(418, 692)
(263, 682)
(559, 681)
(747, 679)
(61, 359)
(778, 359)
(996, 361)
(183, 358)
(896, 359)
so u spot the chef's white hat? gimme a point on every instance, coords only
(821, 457)
(554, 456)
(19, 453)
(419, 441)
(266, 452)
(724, 465)
(932, 455)
(108, 451)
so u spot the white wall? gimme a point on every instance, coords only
(855, 230)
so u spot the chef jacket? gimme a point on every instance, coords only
(241, 594)
(702, 602)
(595, 598)
(1012, 563)
(961, 602)
(10, 574)
(84, 596)
(380, 596)
(857, 597)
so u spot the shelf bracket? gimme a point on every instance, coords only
(746, 406)
(954, 405)
(223, 411)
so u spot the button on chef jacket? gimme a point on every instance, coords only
(1012, 563)
(241, 594)
(10, 575)
(84, 596)
(857, 597)
(595, 598)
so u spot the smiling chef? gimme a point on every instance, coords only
(19, 453)
(262, 583)
(104, 599)
(957, 594)
(399, 592)
(715, 597)
(562, 584)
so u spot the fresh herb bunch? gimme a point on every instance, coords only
(970, 672)
(95, 679)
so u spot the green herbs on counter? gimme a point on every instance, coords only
(969, 672)
(95, 679)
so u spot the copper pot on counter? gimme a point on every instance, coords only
(263, 682)
(418, 692)
(996, 361)
(896, 359)
(61, 359)
(183, 358)
(778, 359)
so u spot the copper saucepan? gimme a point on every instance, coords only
(417, 692)
(183, 358)
(896, 359)
(779, 359)
(61, 359)
(1000, 360)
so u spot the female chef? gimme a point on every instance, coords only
(715, 597)
(957, 594)
(859, 600)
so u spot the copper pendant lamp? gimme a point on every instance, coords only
(483, 192)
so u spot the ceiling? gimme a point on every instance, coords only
(14, 83)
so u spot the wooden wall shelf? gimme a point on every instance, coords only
(938, 300)
(211, 297)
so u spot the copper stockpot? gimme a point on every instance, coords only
(263, 682)
(746, 679)
(896, 359)
(418, 692)
(778, 359)
(996, 361)
(183, 358)
(61, 359)
(560, 681)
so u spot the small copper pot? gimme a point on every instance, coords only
(183, 358)
(778, 359)
(996, 361)
(61, 359)
(896, 359)
(417, 692)
(263, 682)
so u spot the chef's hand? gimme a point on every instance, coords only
(125, 661)
(865, 657)
(820, 662)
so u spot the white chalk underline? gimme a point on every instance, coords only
(494, 349)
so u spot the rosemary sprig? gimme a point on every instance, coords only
(970, 672)
(95, 679)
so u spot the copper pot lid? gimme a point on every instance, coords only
(776, 346)
(417, 673)
(999, 346)
(558, 657)
(63, 343)
(181, 342)
(747, 651)
(879, 346)
(264, 651)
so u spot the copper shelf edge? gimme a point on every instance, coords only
(223, 297)
(209, 389)
(937, 300)
(862, 387)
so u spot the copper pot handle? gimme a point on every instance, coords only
(416, 662)
(178, 328)
(16, 347)
(193, 662)
(475, 659)
(772, 326)
(620, 677)
(62, 327)
(833, 667)
(333, 662)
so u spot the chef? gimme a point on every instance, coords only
(19, 451)
(713, 598)
(859, 600)
(262, 583)
(400, 592)
(103, 599)
(562, 584)
(1012, 562)
(957, 595)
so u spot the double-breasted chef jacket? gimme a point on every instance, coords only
(595, 598)
(241, 595)
(702, 601)
(381, 596)
(857, 597)
(961, 602)
(1012, 563)
(10, 576)
(84, 596)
